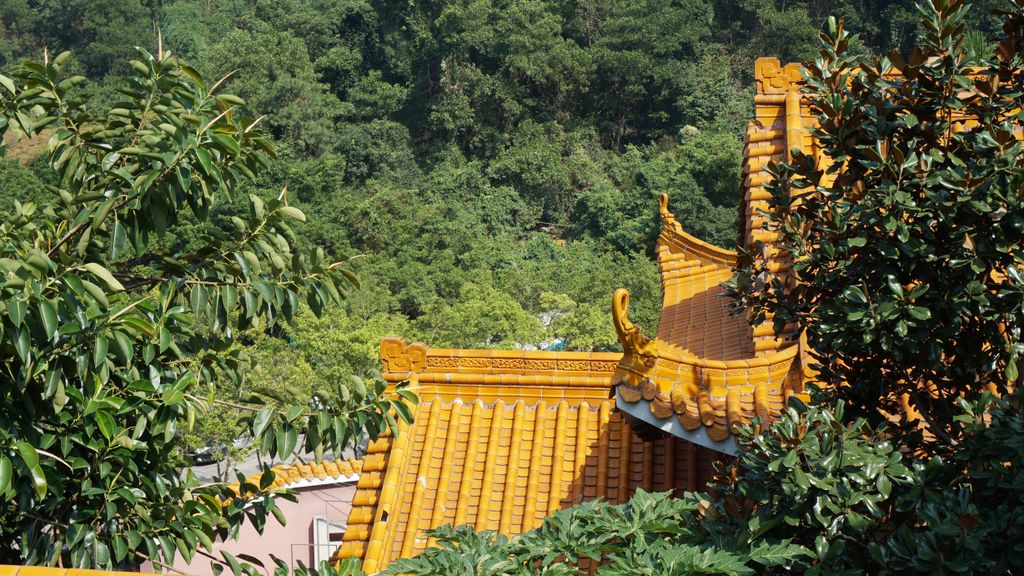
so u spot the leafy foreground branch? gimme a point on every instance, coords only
(810, 495)
(112, 335)
(904, 237)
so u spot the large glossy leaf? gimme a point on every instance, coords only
(30, 459)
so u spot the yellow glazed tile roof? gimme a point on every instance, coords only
(298, 474)
(706, 368)
(501, 439)
(302, 475)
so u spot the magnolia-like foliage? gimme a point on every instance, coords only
(110, 340)
(905, 234)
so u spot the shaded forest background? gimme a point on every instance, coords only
(491, 165)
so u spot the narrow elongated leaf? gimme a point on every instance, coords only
(48, 314)
(104, 275)
(6, 471)
(31, 459)
(101, 214)
(118, 240)
(260, 421)
(292, 212)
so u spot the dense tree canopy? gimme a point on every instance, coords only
(470, 142)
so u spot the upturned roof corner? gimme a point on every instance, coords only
(641, 350)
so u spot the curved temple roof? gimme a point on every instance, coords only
(707, 371)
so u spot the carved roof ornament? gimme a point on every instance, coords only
(633, 342)
(706, 371)
(398, 356)
(774, 78)
(668, 219)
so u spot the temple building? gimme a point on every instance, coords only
(503, 438)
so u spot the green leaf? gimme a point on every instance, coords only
(404, 412)
(120, 548)
(821, 546)
(16, 310)
(894, 285)
(101, 554)
(884, 485)
(358, 388)
(292, 212)
(101, 214)
(901, 328)
(106, 424)
(252, 261)
(6, 471)
(290, 437)
(790, 459)
(204, 160)
(165, 338)
(104, 275)
(229, 297)
(173, 396)
(279, 515)
(123, 347)
(236, 568)
(854, 293)
(118, 240)
(260, 421)
(801, 478)
(60, 397)
(7, 83)
(83, 242)
(919, 313)
(31, 459)
(96, 292)
(23, 344)
(48, 314)
(226, 143)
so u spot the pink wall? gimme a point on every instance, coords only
(291, 542)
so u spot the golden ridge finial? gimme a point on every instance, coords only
(629, 334)
(667, 218)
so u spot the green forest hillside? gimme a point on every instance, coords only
(491, 166)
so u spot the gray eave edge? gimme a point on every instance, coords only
(672, 426)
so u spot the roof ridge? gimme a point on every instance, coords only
(286, 475)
